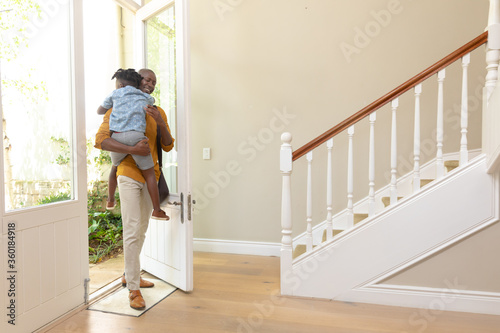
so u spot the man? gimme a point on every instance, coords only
(135, 201)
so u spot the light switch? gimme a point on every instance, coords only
(206, 153)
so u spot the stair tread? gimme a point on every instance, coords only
(424, 182)
(387, 200)
(358, 217)
(334, 233)
(299, 250)
(451, 164)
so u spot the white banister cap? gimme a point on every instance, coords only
(286, 137)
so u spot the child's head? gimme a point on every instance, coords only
(127, 77)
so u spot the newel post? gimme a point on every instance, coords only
(493, 47)
(492, 58)
(286, 213)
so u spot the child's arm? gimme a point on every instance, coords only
(106, 105)
(101, 110)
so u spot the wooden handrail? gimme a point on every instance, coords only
(443, 63)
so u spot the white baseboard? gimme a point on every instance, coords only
(431, 301)
(236, 247)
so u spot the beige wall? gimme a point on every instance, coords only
(263, 67)
(462, 266)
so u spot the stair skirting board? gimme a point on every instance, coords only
(430, 302)
(237, 247)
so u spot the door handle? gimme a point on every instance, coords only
(182, 207)
(181, 203)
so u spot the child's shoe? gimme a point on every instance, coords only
(110, 205)
(159, 215)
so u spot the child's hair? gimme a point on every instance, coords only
(128, 77)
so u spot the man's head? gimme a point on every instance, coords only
(127, 77)
(148, 82)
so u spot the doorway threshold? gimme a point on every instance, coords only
(105, 273)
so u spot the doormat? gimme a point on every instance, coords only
(118, 302)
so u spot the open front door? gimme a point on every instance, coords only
(162, 43)
(43, 203)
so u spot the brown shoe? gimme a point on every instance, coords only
(136, 300)
(142, 283)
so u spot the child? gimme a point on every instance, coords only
(128, 124)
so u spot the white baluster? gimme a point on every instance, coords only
(371, 167)
(439, 129)
(464, 154)
(416, 140)
(329, 191)
(493, 47)
(394, 153)
(350, 179)
(286, 211)
(309, 240)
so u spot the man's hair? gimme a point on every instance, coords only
(142, 70)
(128, 77)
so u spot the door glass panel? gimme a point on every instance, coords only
(36, 102)
(160, 50)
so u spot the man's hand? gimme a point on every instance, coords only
(141, 148)
(153, 112)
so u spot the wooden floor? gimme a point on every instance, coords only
(238, 293)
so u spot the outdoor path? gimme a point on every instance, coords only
(104, 273)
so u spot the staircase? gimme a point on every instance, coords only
(300, 249)
(358, 253)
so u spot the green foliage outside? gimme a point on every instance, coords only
(54, 198)
(64, 157)
(102, 159)
(104, 226)
(14, 17)
(105, 235)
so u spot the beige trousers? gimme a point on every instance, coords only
(136, 208)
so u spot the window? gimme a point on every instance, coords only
(36, 88)
(160, 50)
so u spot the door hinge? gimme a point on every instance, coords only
(86, 290)
(189, 207)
